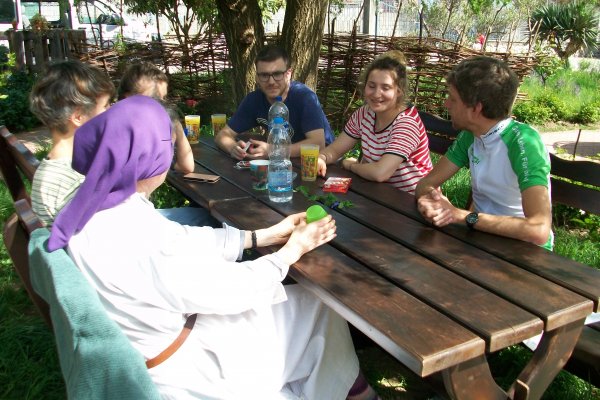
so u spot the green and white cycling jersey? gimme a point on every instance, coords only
(508, 159)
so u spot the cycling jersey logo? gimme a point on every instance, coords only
(474, 159)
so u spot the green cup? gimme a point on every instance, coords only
(315, 213)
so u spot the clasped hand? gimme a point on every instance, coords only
(437, 209)
(257, 150)
(300, 237)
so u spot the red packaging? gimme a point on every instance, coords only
(337, 184)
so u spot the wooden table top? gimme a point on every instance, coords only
(436, 299)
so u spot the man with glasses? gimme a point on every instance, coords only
(307, 123)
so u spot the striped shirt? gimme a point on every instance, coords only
(54, 184)
(405, 137)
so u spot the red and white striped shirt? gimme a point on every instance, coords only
(405, 137)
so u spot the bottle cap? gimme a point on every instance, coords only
(278, 98)
(278, 120)
(315, 213)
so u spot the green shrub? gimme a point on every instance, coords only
(531, 112)
(14, 102)
(588, 113)
(557, 107)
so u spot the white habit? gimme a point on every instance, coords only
(253, 338)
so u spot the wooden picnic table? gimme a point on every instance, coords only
(438, 300)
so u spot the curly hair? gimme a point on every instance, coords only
(65, 87)
(488, 81)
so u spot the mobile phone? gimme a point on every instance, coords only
(193, 176)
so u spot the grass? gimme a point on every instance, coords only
(29, 367)
(579, 87)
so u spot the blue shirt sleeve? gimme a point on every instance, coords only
(252, 109)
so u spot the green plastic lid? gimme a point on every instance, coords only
(315, 213)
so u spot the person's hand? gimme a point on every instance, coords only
(437, 209)
(348, 162)
(237, 151)
(280, 232)
(307, 237)
(258, 149)
(321, 167)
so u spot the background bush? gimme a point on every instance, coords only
(14, 95)
(560, 94)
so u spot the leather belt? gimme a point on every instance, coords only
(173, 347)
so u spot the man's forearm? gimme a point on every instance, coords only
(225, 142)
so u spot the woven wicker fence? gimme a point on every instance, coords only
(201, 72)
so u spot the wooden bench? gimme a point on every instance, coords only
(585, 360)
(18, 164)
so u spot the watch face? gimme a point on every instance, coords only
(472, 219)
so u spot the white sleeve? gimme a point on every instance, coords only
(197, 272)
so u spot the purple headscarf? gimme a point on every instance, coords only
(129, 142)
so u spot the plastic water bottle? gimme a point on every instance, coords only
(278, 109)
(280, 167)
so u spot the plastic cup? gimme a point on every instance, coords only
(218, 121)
(309, 155)
(192, 128)
(260, 171)
(315, 213)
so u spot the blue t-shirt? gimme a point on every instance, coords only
(306, 113)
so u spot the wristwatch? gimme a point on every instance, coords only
(472, 219)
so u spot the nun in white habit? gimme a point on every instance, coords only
(252, 337)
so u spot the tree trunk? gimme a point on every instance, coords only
(241, 22)
(302, 34)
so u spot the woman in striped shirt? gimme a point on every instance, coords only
(394, 143)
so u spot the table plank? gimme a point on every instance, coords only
(553, 303)
(421, 338)
(570, 274)
(204, 193)
(496, 320)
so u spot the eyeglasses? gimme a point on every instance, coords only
(265, 76)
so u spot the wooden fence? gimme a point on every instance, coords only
(34, 49)
(201, 70)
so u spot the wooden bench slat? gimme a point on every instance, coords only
(580, 171)
(581, 197)
(17, 230)
(15, 158)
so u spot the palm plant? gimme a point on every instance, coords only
(568, 27)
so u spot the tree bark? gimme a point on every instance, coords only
(241, 22)
(302, 35)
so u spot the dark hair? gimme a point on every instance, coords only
(65, 87)
(393, 61)
(135, 74)
(272, 53)
(488, 81)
